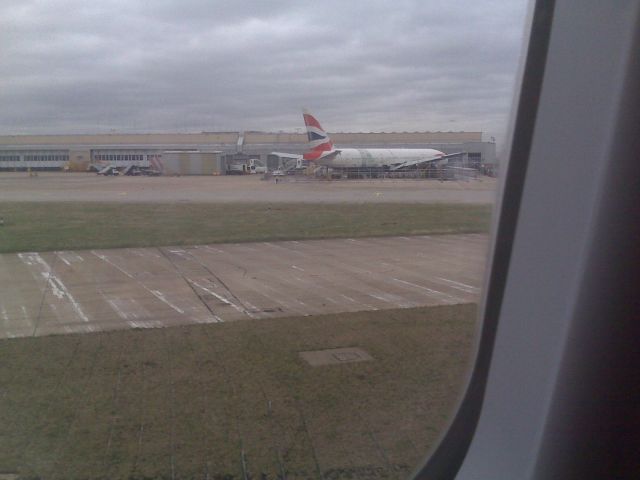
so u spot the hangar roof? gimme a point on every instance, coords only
(222, 138)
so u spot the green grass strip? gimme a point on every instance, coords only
(38, 226)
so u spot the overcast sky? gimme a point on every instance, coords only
(204, 65)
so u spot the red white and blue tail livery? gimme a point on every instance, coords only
(322, 152)
(319, 142)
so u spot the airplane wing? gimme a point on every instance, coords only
(330, 156)
(428, 160)
(314, 155)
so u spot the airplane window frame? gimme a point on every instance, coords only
(446, 459)
(582, 59)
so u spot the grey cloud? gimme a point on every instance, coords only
(201, 65)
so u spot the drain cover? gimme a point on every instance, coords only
(333, 356)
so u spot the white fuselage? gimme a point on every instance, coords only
(378, 157)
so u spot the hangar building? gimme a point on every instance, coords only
(211, 152)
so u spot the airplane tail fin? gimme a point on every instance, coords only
(319, 141)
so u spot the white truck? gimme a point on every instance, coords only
(256, 166)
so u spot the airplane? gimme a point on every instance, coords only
(109, 170)
(323, 153)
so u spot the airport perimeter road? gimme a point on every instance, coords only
(89, 187)
(94, 290)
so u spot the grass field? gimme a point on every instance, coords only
(40, 226)
(234, 401)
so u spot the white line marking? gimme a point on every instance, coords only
(74, 303)
(251, 306)
(359, 303)
(57, 286)
(105, 259)
(57, 292)
(5, 322)
(297, 268)
(146, 324)
(61, 257)
(156, 293)
(25, 315)
(209, 319)
(26, 258)
(392, 299)
(160, 296)
(443, 296)
(114, 305)
(460, 286)
(221, 298)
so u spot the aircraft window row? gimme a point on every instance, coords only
(46, 158)
(9, 158)
(119, 158)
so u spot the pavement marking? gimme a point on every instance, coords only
(156, 293)
(61, 257)
(393, 300)
(69, 257)
(352, 300)
(58, 288)
(441, 295)
(114, 265)
(114, 304)
(61, 291)
(5, 322)
(460, 286)
(160, 296)
(221, 298)
(146, 324)
(150, 288)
